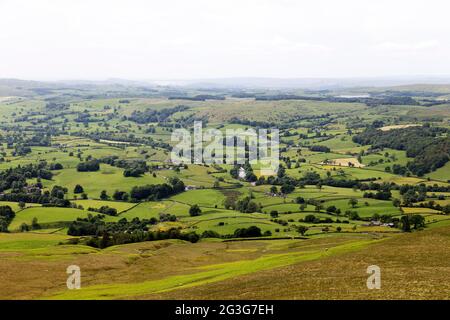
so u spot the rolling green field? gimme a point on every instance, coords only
(108, 178)
(90, 181)
(47, 215)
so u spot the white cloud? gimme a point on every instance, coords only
(163, 39)
(396, 46)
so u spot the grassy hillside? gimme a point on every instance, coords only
(353, 189)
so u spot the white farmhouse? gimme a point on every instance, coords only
(242, 173)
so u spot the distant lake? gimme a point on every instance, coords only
(349, 96)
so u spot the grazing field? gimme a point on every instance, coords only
(153, 209)
(182, 266)
(46, 215)
(15, 205)
(88, 178)
(442, 174)
(108, 178)
(408, 264)
(119, 205)
(232, 270)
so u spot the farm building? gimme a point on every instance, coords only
(242, 173)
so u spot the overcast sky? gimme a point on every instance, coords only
(186, 39)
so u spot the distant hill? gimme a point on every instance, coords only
(29, 88)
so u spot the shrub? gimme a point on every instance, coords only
(195, 210)
(78, 189)
(252, 231)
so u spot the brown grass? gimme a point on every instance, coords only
(33, 274)
(413, 266)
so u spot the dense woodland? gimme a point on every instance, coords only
(429, 146)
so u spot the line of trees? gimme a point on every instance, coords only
(88, 166)
(157, 191)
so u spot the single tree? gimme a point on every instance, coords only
(195, 210)
(406, 224)
(396, 202)
(21, 204)
(273, 190)
(78, 189)
(418, 221)
(24, 227)
(353, 202)
(104, 195)
(34, 224)
(302, 230)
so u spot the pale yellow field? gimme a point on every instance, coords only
(399, 126)
(344, 162)
(419, 210)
